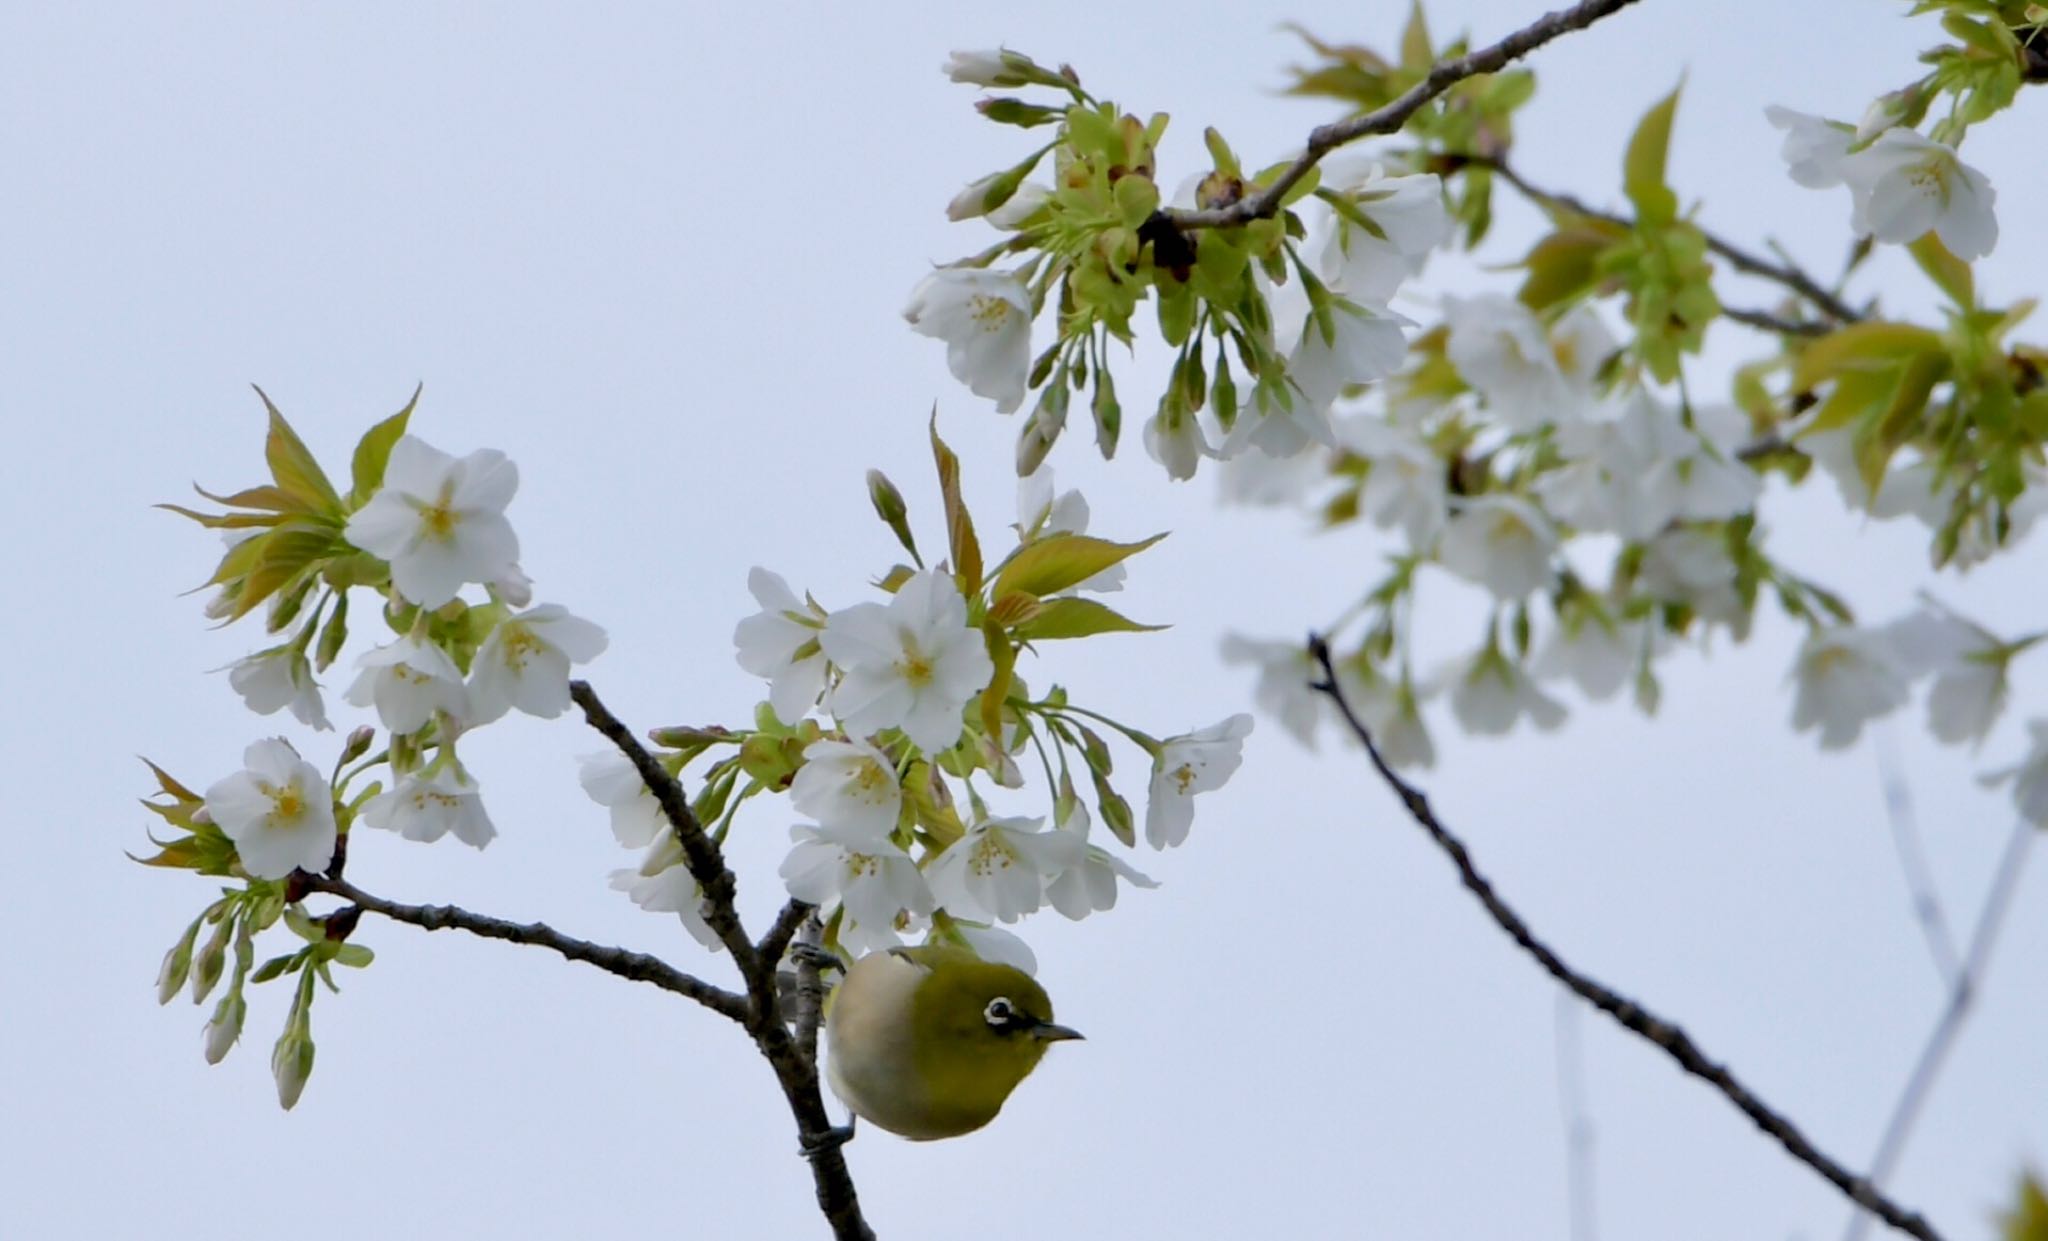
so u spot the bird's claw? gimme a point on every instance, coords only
(816, 1144)
(816, 957)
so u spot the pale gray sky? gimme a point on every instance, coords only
(657, 254)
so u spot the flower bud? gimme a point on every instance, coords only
(222, 1032)
(291, 1063)
(177, 962)
(211, 960)
(357, 745)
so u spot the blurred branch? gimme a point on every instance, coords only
(795, 1063)
(1898, 813)
(637, 966)
(776, 941)
(1983, 937)
(1787, 274)
(1578, 1121)
(1632, 1016)
(1386, 120)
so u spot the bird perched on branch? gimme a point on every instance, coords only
(928, 1042)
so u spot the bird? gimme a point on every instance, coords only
(928, 1042)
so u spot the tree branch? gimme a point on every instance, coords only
(1389, 118)
(1990, 918)
(1788, 275)
(795, 1065)
(637, 966)
(1631, 1015)
(776, 941)
(1898, 814)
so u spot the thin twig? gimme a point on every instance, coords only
(1632, 1016)
(1898, 813)
(1385, 120)
(1579, 1134)
(637, 966)
(1787, 274)
(1990, 918)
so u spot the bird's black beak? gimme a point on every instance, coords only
(1047, 1032)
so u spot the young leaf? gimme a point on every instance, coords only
(960, 540)
(292, 465)
(1643, 166)
(373, 452)
(1077, 618)
(1049, 565)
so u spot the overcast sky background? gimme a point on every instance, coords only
(657, 254)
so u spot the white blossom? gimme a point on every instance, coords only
(613, 782)
(1905, 184)
(1090, 884)
(1969, 664)
(1814, 148)
(662, 883)
(1000, 867)
(1500, 349)
(873, 880)
(911, 663)
(2029, 777)
(277, 678)
(1692, 565)
(1175, 440)
(1501, 542)
(985, 319)
(781, 642)
(847, 784)
(1256, 477)
(278, 811)
(408, 681)
(1407, 484)
(1843, 678)
(995, 945)
(525, 660)
(224, 1029)
(1490, 692)
(440, 520)
(1020, 207)
(1196, 762)
(426, 807)
(1365, 342)
(978, 68)
(1595, 653)
(1043, 510)
(1282, 689)
(1409, 213)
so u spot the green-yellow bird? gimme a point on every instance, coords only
(928, 1042)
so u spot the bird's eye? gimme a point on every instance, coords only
(998, 1012)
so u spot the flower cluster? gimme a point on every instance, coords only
(891, 723)
(1302, 301)
(416, 527)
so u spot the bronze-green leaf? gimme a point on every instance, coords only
(293, 467)
(1049, 565)
(1077, 618)
(1643, 166)
(960, 539)
(373, 453)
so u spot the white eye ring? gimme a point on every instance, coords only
(998, 1012)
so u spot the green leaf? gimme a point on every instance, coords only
(1004, 657)
(1947, 271)
(1643, 166)
(355, 956)
(293, 467)
(276, 966)
(1416, 56)
(373, 452)
(1077, 618)
(2028, 1220)
(1873, 345)
(1052, 564)
(960, 540)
